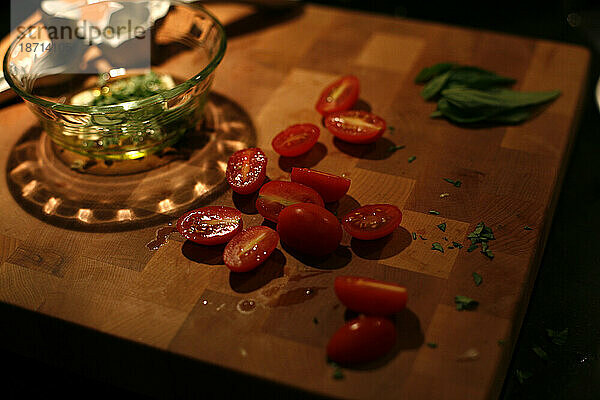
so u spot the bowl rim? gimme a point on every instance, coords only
(129, 105)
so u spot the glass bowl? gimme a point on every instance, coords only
(117, 97)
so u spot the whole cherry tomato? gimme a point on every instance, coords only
(330, 187)
(370, 296)
(309, 229)
(362, 339)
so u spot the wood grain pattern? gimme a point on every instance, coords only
(182, 299)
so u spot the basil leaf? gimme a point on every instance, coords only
(435, 86)
(442, 227)
(412, 158)
(478, 78)
(497, 99)
(430, 72)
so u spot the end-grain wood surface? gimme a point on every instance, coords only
(274, 323)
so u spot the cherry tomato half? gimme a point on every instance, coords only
(210, 225)
(358, 127)
(250, 248)
(296, 140)
(274, 196)
(246, 170)
(310, 229)
(330, 187)
(370, 296)
(372, 221)
(362, 339)
(339, 96)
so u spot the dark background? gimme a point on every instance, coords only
(567, 289)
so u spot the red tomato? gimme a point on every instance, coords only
(362, 339)
(372, 221)
(370, 296)
(310, 229)
(274, 196)
(246, 170)
(250, 248)
(210, 225)
(359, 127)
(339, 96)
(296, 140)
(330, 187)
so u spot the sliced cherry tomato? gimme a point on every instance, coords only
(330, 187)
(210, 225)
(362, 339)
(370, 296)
(359, 127)
(296, 140)
(339, 96)
(246, 170)
(274, 196)
(250, 248)
(310, 229)
(372, 221)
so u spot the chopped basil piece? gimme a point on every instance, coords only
(414, 236)
(540, 353)
(394, 148)
(465, 303)
(422, 238)
(452, 181)
(457, 245)
(558, 337)
(437, 246)
(482, 234)
(442, 227)
(434, 212)
(432, 345)
(338, 373)
(528, 228)
(522, 375)
(412, 158)
(477, 279)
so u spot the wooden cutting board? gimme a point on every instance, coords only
(103, 302)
